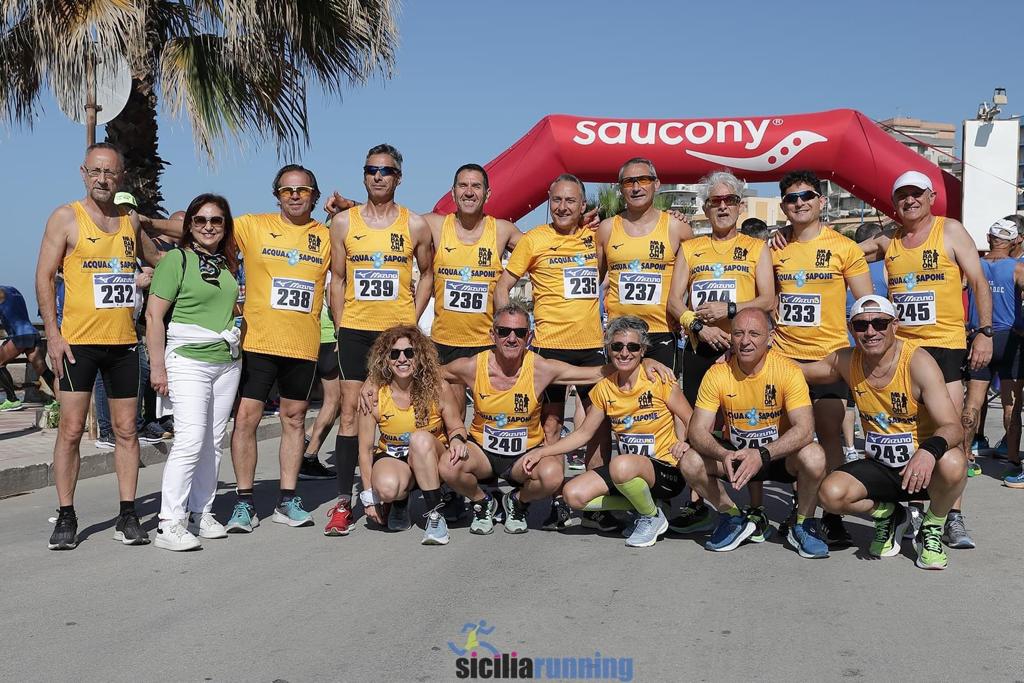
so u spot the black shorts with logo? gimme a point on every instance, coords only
(838, 390)
(501, 465)
(697, 360)
(449, 353)
(1005, 347)
(555, 393)
(327, 362)
(294, 376)
(776, 470)
(951, 362)
(354, 353)
(668, 480)
(883, 484)
(663, 348)
(117, 363)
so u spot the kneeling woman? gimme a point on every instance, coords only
(415, 408)
(649, 419)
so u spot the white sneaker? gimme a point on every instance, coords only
(207, 527)
(850, 454)
(172, 535)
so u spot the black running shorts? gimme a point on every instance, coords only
(354, 353)
(668, 480)
(327, 362)
(555, 393)
(883, 484)
(951, 362)
(294, 376)
(118, 364)
(449, 353)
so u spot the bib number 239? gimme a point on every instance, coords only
(376, 285)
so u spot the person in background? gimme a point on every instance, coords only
(21, 338)
(756, 228)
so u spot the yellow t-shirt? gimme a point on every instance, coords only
(99, 284)
(285, 270)
(640, 418)
(811, 279)
(640, 274)
(722, 270)
(755, 407)
(563, 272)
(378, 274)
(397, 424)
(924, 286)
(894, 423)
(506, 423)
(464, 279)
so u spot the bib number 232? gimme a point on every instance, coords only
(113, 290)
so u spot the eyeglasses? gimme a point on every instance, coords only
(97, 172)
(385, 171)
(407, 352)
(632, 347)
(915, 193)
(214, 221)
(503, 331)
(880, 324)
(641, 180)
(304, 191)
(804, 196)
(727, 199)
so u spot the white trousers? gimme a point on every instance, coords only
(202, 395)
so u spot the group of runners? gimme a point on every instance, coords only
(766, 372)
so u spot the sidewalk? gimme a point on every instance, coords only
(26, 451)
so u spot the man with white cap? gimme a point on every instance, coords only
(912, 434)
(926, 259)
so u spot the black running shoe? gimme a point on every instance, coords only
(128, 530)
(560, 516)
(312, 468)
(762, 528)
(65, 532)
(453, 507)
(602, 521)
(834, 531)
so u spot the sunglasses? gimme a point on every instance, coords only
(303, 191)
(879, 324)
(641, 180)
(727, 199)
(213, 221)
(503, 331)
(632, 347)
(408, 353)
(804, 196)
(385, 171)
(916, 193)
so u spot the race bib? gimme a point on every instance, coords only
(375, 285)
(892, 450)
(289, 294)
(753, 438)
(113, 290)
(637, 444)
(915, 308)
(704, 291)
(580, 283)
(506, 442)
(800, 310)
(639, 288)
(465, 297)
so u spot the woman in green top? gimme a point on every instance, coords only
(193, 361)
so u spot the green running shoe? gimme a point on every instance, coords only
(973, 469)
(11, 406)
(930, 553)
(888, 532)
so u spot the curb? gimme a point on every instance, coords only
(17, 480)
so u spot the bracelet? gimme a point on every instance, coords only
(687, 318)
(935, 445)
(732, 310)
(368, 497)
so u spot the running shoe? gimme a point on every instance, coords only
(648, 529)
(980, 445)
(601, 521)
(806, 539)
(515, 514)
(916, 513)
(575, 461)
(436, 530)
(955, 532)
(151, 434)
(65, 532)
(105, 442)
(692, 519)
(11, 406)
(398, 516)
(483, 516)
(1014, 477)
(930, 554)
(205, 525)
(454, 506)
(243, 519)
(172, 535)
(762, 529)
(312, 468)
(292, 514)
(128, 530)
(834, 531)
(888, 533)
(729, 533)
(973, 469)
(560, 516)
(850, 454)
(339, 520)
(1001, 451)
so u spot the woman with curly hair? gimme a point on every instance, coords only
(415, 408)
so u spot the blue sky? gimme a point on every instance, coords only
(471, 78)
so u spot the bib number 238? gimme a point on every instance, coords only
(289, 294)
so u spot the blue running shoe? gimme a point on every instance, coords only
(980, 446)
(806, 539)
(243, 519)
(292, 514)
(1014, 477)
(1000, 450)
(730, 532)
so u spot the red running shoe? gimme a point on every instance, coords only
(339, 520)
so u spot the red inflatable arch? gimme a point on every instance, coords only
(841, 145)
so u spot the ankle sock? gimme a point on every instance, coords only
(245, 496)
(127, 506)
(883, 510)
(285, 496)
(431, 498)
(734, 511)
(932, 519)
(67, 510)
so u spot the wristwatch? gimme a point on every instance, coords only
(987, 330)
(766, 457)
(696, 326)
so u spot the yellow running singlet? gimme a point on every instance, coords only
(640, 418)
(722, 270)
(397, 424)
(506, 423)
(640, 274)
(378, 274)
(464, 279)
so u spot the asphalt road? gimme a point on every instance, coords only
(291, 605)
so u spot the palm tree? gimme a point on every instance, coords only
(238, 68)
(609, 201)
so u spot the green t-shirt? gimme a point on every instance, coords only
(197, 302)
(327, 333)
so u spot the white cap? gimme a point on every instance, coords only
(872, 303)
(122, 198)
(1003, 229)
(913, 179)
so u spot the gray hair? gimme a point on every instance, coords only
(719, 178)
(570, 178)
(637, 160)
(627, 323)
(513, 307)
(390, 150)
